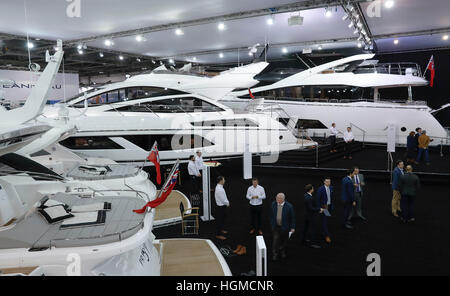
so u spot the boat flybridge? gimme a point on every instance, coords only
(121, 121)
(369, 118)
(79, 223)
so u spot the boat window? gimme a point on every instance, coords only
(169, 142)
(309, 123)
(90, 143)
(126, 94)
(175, 105)
(239, 122)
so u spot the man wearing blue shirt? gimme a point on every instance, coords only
(324, 195)
(396, 196)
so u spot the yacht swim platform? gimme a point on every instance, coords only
(168, 213)
(34, 232)
(191, 257)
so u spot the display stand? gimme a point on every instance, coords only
(206, 180)
(261, 256)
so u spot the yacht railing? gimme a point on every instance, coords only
(362, 130)
(390, 68)
(139, 194)
(326, 100)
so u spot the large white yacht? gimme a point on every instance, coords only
(369, 118)
(121, 121)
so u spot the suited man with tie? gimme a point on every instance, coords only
(348, 197)
(358, 182)
(312, 210)
(324, 194)
(283, 221)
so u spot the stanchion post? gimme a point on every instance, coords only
(261, 256)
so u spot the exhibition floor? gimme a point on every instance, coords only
(419, 248)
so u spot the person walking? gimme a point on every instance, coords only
(396, 195)
(324, 195)
(283, 222)
(409, 184)
(359, 183)
(348, 197)
(312, 210)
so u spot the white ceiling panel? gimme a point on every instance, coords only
(409, 16)
(48, 18)
(238, 33)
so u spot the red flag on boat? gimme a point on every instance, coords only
(432, 71)
(250, 93)
(165, 191)
(154, 157)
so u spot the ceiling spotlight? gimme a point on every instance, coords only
(221, 55)
(445, 37)
(319, 47)
(194, 58)
(396, 41)
(139, 38)
(221, 26)
(270, 20)
(171, 61)
(356, 31)
(359, 44)
(284, 50)
(389, 3)
(350, 25)
(153, 61)
(109, 42)
(345, 17)
(359, 24)
(179, 32)
(55, 48)
(328, 12)
(250, 53)
(80, 51)
(138, 60)
(121, 57)
(100, 54)
(30, 45)
(80, 46)
(350, 7)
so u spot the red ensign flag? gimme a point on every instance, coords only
(250, 93)
(165, 192)
(154, 157)
(431, 68)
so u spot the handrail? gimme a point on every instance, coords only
(361, 129)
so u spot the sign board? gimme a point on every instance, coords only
(24, 81)
(391, 137)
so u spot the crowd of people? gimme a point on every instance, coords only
(318, 208)
(417, 147)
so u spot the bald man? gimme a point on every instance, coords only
(283, 222)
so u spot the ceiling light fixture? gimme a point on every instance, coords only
(30, 45)
(221, 26)
(284, 50)
(194, 58)
(179, 32)
(270, 20)
(139, 38)
(345, 17)
(328, 12)
(171, 61)
(319, 47)
(109, 42)
(389, 3)
(359, 44)
(396, 41)
(221, 55)
(445, 37)
(121, 57)
(100, 54)
(80, 51)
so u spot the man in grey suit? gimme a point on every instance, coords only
(358, 182)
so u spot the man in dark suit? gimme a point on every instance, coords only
(396, 195)
(359, 183)
(409, 184)
(312, 210)
(324, 195)
(348, 197)
(283, 221)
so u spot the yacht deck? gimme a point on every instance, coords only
(35, 232)
(169, 211)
